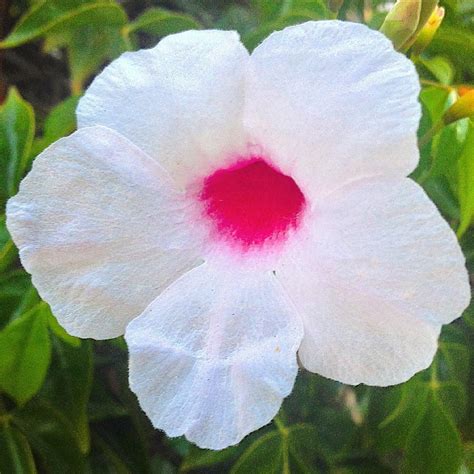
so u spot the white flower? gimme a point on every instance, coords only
(228, 212)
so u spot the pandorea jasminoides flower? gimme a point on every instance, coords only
(230, 213)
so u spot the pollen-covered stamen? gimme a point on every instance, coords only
(252, 203)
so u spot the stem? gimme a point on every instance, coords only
(426, 138)
(427, 82)
(280, 426)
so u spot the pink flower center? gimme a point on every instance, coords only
(251, 202)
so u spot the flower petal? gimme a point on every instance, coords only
(99, 226)
(379, 274)
(181, 101)
(214, 355)
(333, 102)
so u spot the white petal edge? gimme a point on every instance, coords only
(181, 101)
(333, 102)
(379, 274)
(214, 355)
(101, 229)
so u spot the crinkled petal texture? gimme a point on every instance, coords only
(333, 102)
(181, 101)
(213, 356)
(99, 225)
(379, 274)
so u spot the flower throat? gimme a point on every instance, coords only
(252, 203)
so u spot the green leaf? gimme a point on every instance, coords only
(440, 67)
(394, 410)
(17, 129)
(13, 288)
(239, 18)
(25, 353)
(61, 333)
(121, 436)
(436, 102)
(252, 39)
(440, 192)
(70, 386)
(15, 453)
(434, 444)
(88, 47)
(397, 409)
(60, 122)
(468, 315)
(201, 458)
(465, 181)
(264, 455)
(8, 250)
(91, 31)
(161, 22)
(50, 437)
(270, 11)
(50, 16)
(291, 449)
(106, 460)
(448, 148)
(457, 43)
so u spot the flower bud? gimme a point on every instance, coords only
(428, 31)
(462, 108)
(463, 89)
(401, 22)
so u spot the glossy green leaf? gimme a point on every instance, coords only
(14, 286)
(25, 353)
(397, 409)
(49, 433)
(161, 22)
(70, 386)
(58, 16)
(264, 455)
(394, 410)
(434, 444)
(15, 452)
(292, 449)
(17, 129)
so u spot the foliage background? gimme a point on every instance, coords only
(65, 405)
